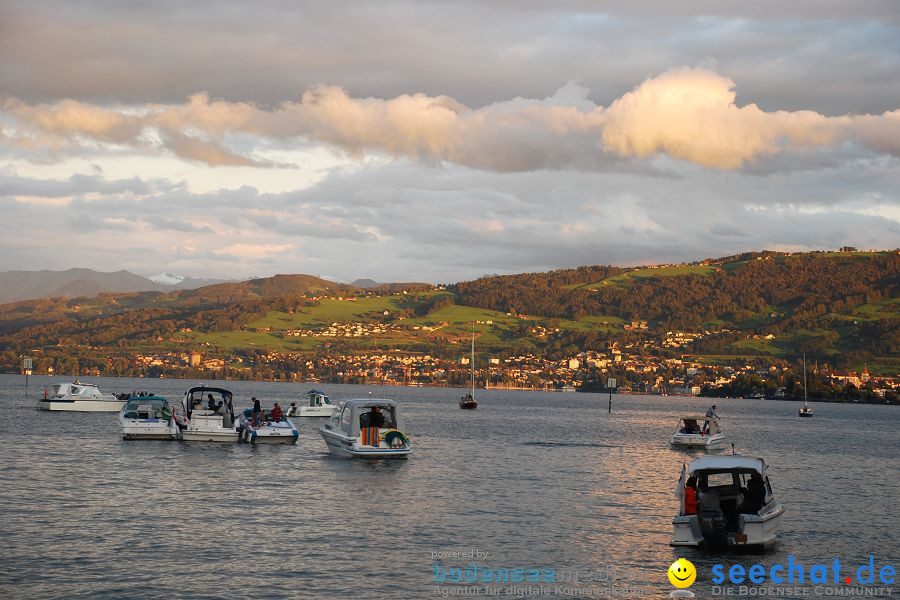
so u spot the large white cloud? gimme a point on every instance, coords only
(690, 114)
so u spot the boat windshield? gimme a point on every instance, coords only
(690, 426)
(370, 417)
(147, 408)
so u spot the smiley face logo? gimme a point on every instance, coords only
(682, 573)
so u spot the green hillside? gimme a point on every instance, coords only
(841, 306)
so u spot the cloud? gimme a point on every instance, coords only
(400, 221)
(688, 114)
(691, 114)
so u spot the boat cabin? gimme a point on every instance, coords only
(735, 485)
(317, 398)
(698, 425)
(147, 407)
(207, 402)
(360, 414)
(83, 391)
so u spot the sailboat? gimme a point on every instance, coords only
(467, 402)
(805, 410)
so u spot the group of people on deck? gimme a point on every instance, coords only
(699, 498)
(258, 415)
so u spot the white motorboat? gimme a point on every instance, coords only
(694, 431)
(210, 415)
(266, 431)
(367, 428)
(734, 507)
(318, 405)
(82, 397)
(148, 418)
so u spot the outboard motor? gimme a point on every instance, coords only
(713, 529)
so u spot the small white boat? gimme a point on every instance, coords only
(318, 405)
(148, 418)
(210, 415)
(694, 431)
(267, 432)
(82, 397)
(735, 505)
(367, 428)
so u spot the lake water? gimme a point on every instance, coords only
(530, 479)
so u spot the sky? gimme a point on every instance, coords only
(442, 141)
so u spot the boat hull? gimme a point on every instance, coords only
(754, 532)
(197, 435)
(313, 411)
(151, 429)
(472, 405)
(349, 447)
(688, 440)
(271, 433)
(81, 405)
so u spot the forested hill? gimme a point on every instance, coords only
(765, 291)
(843, 305)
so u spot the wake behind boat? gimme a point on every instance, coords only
(367, 428)
(79, 397)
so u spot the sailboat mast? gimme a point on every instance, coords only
(805, 399)
(472, 360)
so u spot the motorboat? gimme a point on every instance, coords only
(734, 507)
(695, 431)
(265, 431)
(318, 405)
(149, 417)
(210, 415)
(367, 428)
(81, 397)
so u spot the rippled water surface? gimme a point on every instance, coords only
(534, 480)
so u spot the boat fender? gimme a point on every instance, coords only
(253, 438)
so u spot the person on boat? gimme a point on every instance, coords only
(373, 418)
(690, 496)
(756, 495)
(276, 413)
(211, 403)
(708, 499)
(711, 412)
(292, 409)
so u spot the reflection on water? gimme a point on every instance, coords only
(537, 480)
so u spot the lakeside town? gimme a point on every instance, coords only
(633, 365)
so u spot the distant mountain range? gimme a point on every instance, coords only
(74, 283)
(16, 286)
